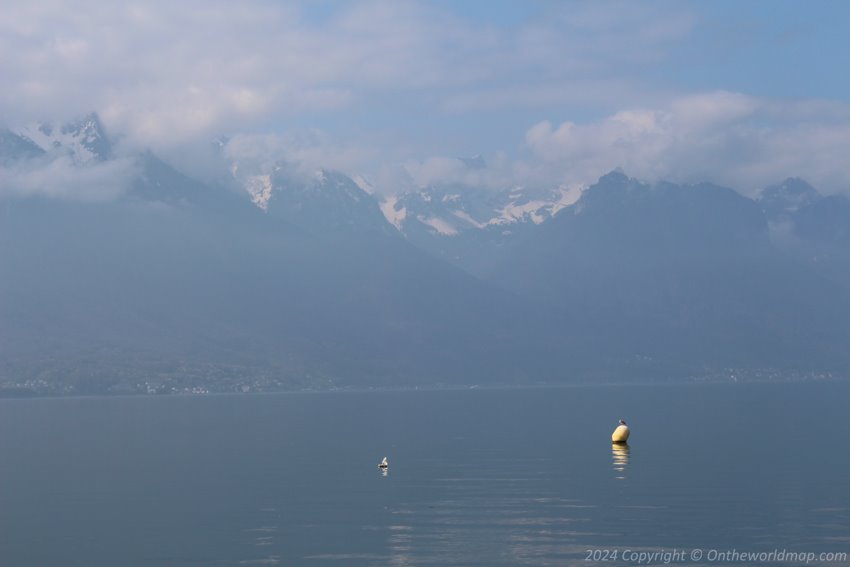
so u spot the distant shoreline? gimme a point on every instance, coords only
(19, 391)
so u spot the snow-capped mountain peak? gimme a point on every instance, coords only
(320, 199)
(83, 140)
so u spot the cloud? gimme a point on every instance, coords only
(729, 138)
(437, 169)
(61, 178)
(494, 173)
(307, 151)
(396, 89)
(732, 139)
(175, 70)
(166, 72)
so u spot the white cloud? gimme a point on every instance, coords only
(61, 178)
(495, 174)
(373, 86)
(726, 138)
(164, 72)
(435, 170)
(308, 151)
(181, 69)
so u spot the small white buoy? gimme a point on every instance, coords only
(384, 464)
(621, 434)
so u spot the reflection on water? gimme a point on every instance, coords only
(488, 524)
(620, 453)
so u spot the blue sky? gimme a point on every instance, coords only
(551, 93)
(767, 48)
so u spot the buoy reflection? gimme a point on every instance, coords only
(620, 453)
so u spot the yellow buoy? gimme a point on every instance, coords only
(621, 434)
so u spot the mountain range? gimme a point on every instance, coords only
(272, 277)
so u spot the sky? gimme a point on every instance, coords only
(740, 93)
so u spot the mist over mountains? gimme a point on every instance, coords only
(122, 274)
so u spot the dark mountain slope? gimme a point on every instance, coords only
(680, 275)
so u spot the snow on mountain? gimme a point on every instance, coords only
(436, 210)
(364, 184)
(260, 189)
(451, 210)
(83, 140)
(395, 215)
(317, 200)
(257, 182)
(437, 224)
(464, 216)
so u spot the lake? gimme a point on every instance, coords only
(475, 477)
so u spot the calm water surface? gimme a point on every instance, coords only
(482, 477)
